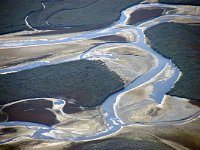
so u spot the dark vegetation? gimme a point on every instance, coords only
(120, 144)
(3, 116)
(82, 15)
(181, 43)
(102, 13)
(13, 13)
(88, 82)
(185, 2)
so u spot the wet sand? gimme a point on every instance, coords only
(196, 103)
(71, 108)
(35, 111)
(112, 38)
(144, 14)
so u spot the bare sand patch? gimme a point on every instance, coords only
(45, 111)
(127, 61)
(137, 105)
(56, 52)
(87, 122)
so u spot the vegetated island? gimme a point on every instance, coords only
(180, 43)
(87, 82)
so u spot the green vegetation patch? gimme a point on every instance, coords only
(88, 82)
(180, 43)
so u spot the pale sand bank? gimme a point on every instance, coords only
(56, 52)
(86, 122)
(127, 61)
(136, 105)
